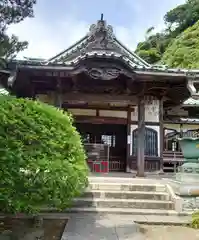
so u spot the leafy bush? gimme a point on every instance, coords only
(41, 157)
(195, 220)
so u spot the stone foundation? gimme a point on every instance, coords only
(187, 194)
(190, 203)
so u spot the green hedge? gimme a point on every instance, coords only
(41, 157)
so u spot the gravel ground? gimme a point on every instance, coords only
(169, 233)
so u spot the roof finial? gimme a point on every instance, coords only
(102, 17)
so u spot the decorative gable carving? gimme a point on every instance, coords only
(101, 36)
(99, 41)
(103, 73)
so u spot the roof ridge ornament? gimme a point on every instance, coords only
(99, 41)
(101, 35)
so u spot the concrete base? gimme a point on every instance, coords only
(188, 193)
(184, 188)
(186, 184)
(187, 178)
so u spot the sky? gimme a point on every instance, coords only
(59, 23)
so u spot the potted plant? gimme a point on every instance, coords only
(42, 167)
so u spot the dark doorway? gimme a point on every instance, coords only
(114, 135)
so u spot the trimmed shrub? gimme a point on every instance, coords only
(42, 158)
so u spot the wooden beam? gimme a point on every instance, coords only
(140, 137)
(100, 98)
(128, 150)
(97, 107)
(100, 120)
(58, 94)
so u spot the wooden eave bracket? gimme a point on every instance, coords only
(12, 78)
(191, 87)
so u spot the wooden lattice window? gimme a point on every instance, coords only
(109, 140)
(150, 142)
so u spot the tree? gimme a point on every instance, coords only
(149, 31)
(177, 21)
(183, 16)
(12, 12)
(153, 47)
(183, 52)
(151, 55)
(42, 157)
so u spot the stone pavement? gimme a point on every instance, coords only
(84, 226)
(100, 227)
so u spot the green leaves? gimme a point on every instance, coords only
(158, 47)
(195, 220)
(10, 46)
(183, 16)
(41, 156)
(151, 55)
(15, 11)
(183, 52)
(12, 12)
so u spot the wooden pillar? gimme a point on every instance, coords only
(140, 137)
(128, 149)
(161, 121)
(58, 94)
(33, 94)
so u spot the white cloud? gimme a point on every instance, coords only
(125, 35)
(45, 40)
(48, 37)
(149, 14)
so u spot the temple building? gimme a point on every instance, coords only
(117, 99)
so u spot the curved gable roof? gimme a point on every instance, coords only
(99, 41)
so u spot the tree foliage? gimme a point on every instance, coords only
(183, 52)
(153, 47)
(12, 12)
(177, 21)
(10, 46)
(183, 16)
(42, 157)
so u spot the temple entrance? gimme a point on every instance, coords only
(113, 136)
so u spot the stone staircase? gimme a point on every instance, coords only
(127, 197)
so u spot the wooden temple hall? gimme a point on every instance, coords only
(123, 107)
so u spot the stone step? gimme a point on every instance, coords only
(123, 203)
(127, 211)
(128, 187)
(116, 194)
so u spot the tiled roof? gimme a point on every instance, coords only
(3, 91)
(192, 102)
(100, 41)
(189, 120)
